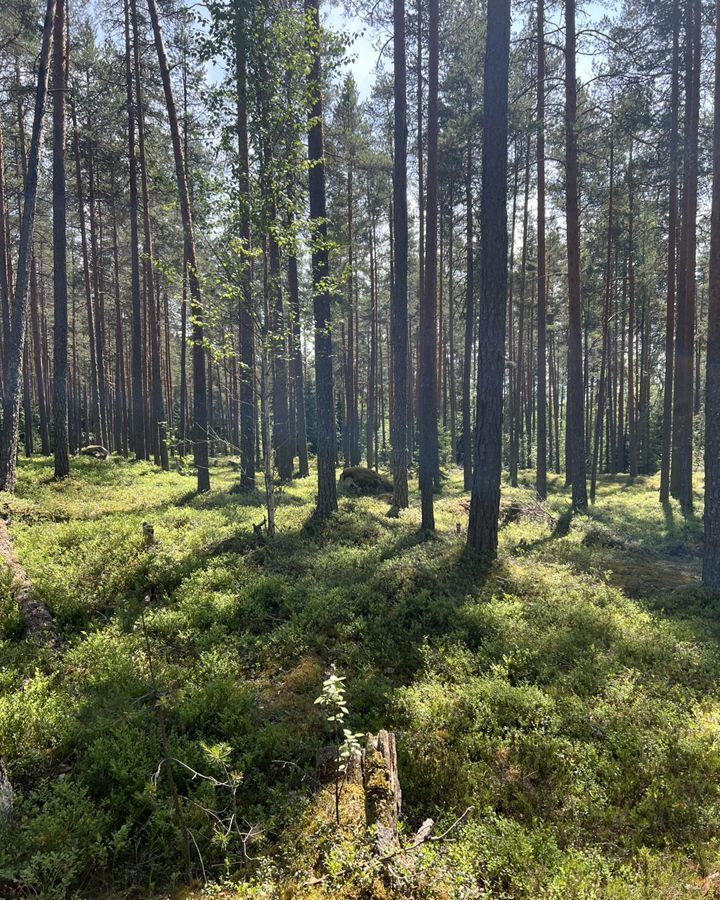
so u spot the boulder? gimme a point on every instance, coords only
(95, 450)
(361, 481)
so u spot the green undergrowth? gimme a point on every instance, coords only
(569, 696)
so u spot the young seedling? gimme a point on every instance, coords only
(347, 743)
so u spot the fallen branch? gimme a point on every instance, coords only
(423, 835)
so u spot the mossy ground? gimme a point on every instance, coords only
(571, 695)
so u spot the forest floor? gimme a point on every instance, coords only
(570, 696)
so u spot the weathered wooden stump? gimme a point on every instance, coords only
(6, 794)
(148, 534)
(383, 796)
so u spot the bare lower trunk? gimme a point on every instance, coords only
(13, 361)
(485, 499)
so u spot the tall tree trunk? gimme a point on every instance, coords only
(325, 411)
(605, 331)
(682, 436)
(94, 415)
(136, 348)
(399, 253)
(451, 339)
(467, 428)
(510, 329)
(541, 471)
(158, 438)
(121, 444)
(711, 554)
(371, 430)
(200, 425)
(13, 361)
(280, 404)
(246, 336)
(631, 394)
(297, 364)
(485, 499)
(518, 370)
(575, 401)
(427, 374)
(351, 398)
(5, 281)
(98, 306)
(37, 346)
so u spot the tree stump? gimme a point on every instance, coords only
(6, 794)
(383, 796)
(148, 534)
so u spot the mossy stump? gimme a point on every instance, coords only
(383, 796)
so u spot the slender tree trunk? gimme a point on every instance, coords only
(682, 436)
(121, 444)
(399, 254)
(631, 393)
(246, 336)
(326, 434)
(575, 401)
(200, 425)
(467, 428)
(451, 339)
(711, 554)
(371, 430)
(5, 281)
(512, 381)
(541, 472)
(485, 499)
(157, 404)
(427, 373)
(136, 348)
(605, 331)
(351, 398)
(13, 361)
(97, 301)
(297, 362)
(518, 371)
(37, 346)
(280, 405)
